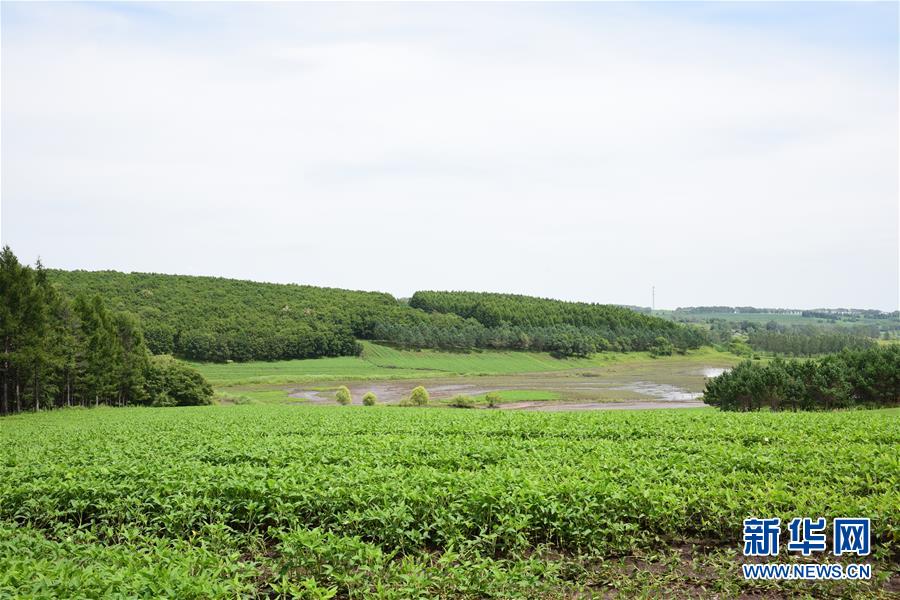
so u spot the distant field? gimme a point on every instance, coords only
(382, 362)
(297, 371)
(487, 361)
(780, 318)
(395, 503)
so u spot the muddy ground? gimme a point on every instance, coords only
(622, 387)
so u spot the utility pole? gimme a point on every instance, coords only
(653, 298)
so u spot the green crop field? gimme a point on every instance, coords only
(382, 362)
(320, 502)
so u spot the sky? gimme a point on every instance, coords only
(725, 153)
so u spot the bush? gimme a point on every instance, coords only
(662, 347)
(342, 395)
(493, 399)
(462, 402)
(370, 399)
(171, 382)
(419, 396)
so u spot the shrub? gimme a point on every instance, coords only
(343, 395)
(419, 396)
(171, 382)
(461, 401)
(369, 399)
(493, 399)
(662, 347)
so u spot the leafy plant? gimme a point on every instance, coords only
(274, 500)
(419, 396)
(342, 395)
(493, 399)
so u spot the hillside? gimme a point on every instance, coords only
(608, 326)
(217, 319)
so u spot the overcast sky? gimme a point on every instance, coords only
(739, 154)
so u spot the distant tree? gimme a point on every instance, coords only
(419, 396)
(343, 396)
(239, 320)
(369, 399)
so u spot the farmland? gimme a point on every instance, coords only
(302, 501)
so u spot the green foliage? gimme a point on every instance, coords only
(662, 347)
(789, 333)
(504, 396)
(68, 562)
(740, 348)
(746, 318)
(241, 320)
(562, 328)
(860, 378)
(342, 395)
(58, 351)
(171, 382)
(369, 399)
(215, 319)
(462, 401)
(419, 396)
(266, 499)
(808, 341)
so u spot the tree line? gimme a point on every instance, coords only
(853, 378)
(801, 342)
(74, 351)
(792, 340)
(565, 328)
(217, 319)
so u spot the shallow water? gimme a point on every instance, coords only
(660, 391)
(620, 386)
(713, 371)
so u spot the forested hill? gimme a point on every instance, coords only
(212, 318)
(600, 326)
(216, 319)
(491, 310)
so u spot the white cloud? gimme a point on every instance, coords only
(517, 148)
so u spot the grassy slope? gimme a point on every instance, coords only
(382, 362)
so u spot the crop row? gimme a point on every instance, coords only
(493, 484)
